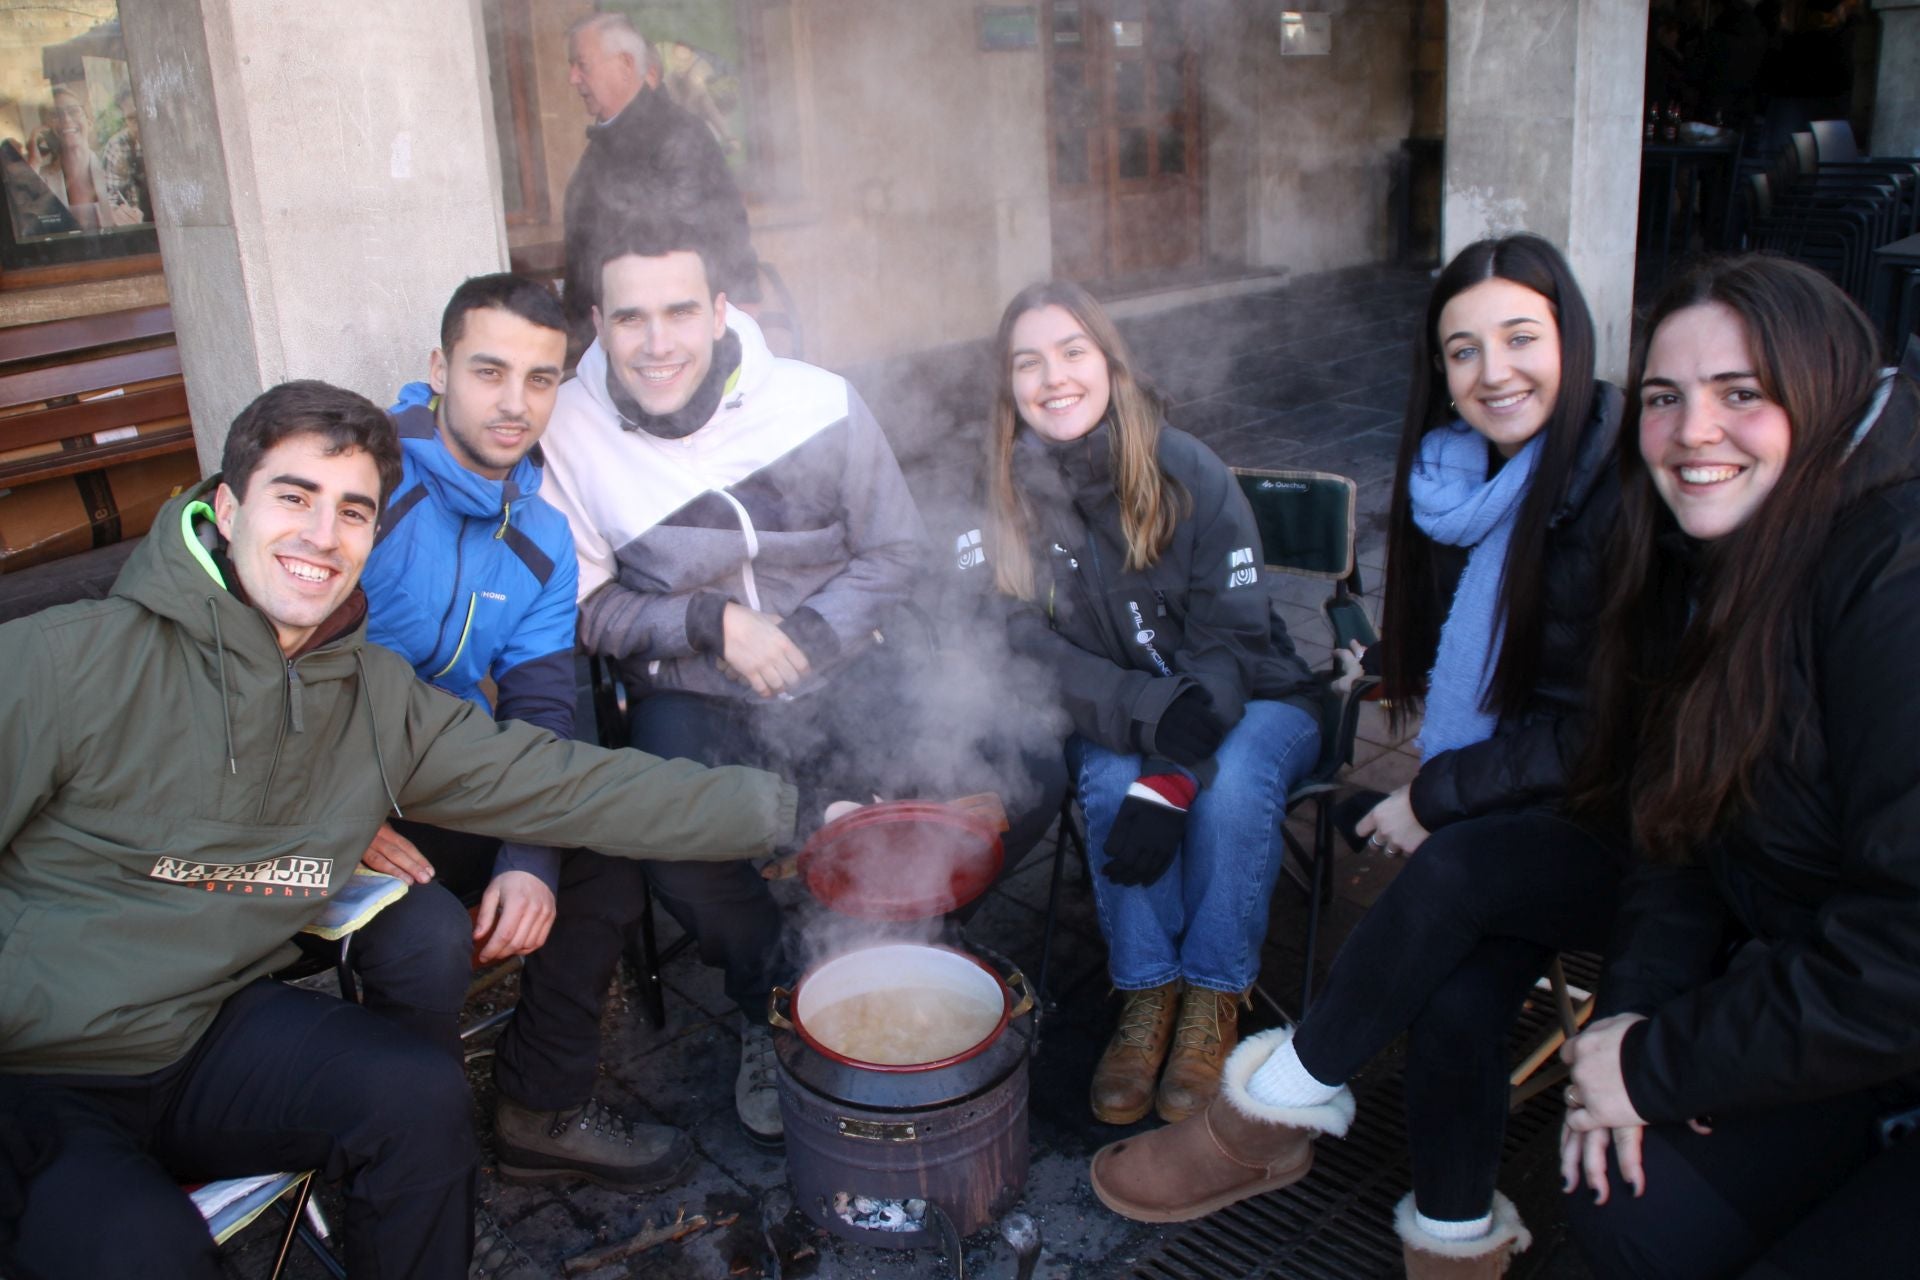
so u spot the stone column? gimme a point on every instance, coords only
(1896, 103)
(323, 175)
(1543, 135)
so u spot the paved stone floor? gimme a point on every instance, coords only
(1311, 373)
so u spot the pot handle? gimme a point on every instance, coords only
(1018, 980)
(774, 1015)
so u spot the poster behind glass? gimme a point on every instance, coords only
(71, 167)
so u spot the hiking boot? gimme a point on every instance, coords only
(496, 1256)
(593, 1142)
(756, 1099)
(1235, 1147)
(1123, 1081)
(1206, 1033)
(1428, 1257)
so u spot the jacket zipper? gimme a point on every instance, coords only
(466, 629)
(289, 713)
(453, 602)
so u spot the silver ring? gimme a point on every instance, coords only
(1376, 841)
(1573, 1098)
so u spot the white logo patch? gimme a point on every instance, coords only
(968, 551)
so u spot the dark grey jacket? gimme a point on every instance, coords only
(1125, 644)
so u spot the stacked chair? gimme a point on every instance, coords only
(1818, 201)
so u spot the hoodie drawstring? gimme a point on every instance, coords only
(373, 722)
(220, 661)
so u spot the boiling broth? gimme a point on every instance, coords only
(903, 1025)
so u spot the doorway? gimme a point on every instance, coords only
(1123, 135)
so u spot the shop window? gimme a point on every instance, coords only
(77, 205)
(739, 67)
(516, 110)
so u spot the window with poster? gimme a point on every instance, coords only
(738, 67)
(73, 176)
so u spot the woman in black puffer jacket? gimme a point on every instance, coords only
(1755, 703)
(1503, 503)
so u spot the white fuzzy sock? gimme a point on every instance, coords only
(1284, 1081)
(1439, 1229)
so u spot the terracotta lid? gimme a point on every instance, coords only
(905, 859)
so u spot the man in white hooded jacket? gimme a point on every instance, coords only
(744, 536)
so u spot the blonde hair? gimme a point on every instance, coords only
(1152, 503)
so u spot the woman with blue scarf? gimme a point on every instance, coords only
(1503, 499)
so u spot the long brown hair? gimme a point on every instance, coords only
(1681, 722)
(1151, 502)
(1411, 621)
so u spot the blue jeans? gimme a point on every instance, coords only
(1204, 920)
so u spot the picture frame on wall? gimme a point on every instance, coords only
(73, 180)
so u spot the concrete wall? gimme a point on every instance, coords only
(927, 203)
(1324, 132)
(1543, 135)
(320, 188)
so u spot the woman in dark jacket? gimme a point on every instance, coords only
(1131, 564)
(1755, 705)
(1502, 503)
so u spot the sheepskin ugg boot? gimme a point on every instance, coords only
(1430, 1258)
(1236, 1147)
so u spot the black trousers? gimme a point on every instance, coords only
(283, 1080)
(1447, 955)
(415, 959)
(831, 747)
(1802, 1191)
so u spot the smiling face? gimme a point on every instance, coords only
(1061, 384)
(1713, 442)
(497, 388)
(300, 537)
(1500, 347)
(658, 322)
(605, 80)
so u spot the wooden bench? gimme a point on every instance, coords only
(94, 435)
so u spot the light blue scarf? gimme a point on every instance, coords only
(1455, 503)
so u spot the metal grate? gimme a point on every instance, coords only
(1337, 1223)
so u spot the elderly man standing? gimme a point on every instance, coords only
(644, 155)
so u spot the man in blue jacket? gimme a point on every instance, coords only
(472, 579)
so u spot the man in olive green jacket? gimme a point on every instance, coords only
(193, 767)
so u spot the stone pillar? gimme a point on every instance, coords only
(323, 175)
(1543, 135)
(1896, 103)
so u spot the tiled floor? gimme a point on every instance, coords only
(1312, 374)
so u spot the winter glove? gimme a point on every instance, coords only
(1189, 730)
(1148, 829)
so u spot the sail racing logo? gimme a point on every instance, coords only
(289, 877)
(1240, 569)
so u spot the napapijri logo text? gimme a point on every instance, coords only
(282, 874)
(1143, 635)
(1241, 571)
(968, 551)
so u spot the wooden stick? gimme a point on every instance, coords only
(681, 1227)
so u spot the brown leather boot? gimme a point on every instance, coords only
(1123, 1082)
(1235, 1147)
(1206, 1033)
(1430, 1258)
